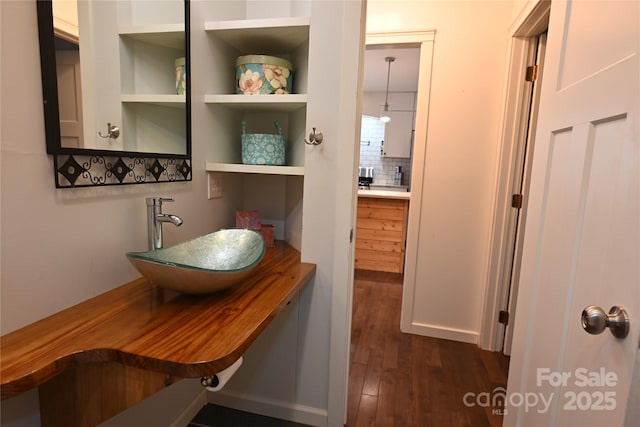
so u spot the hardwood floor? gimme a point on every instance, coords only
(408, 380)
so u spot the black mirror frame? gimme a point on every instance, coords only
(77, 167)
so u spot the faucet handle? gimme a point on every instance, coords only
(151, 201)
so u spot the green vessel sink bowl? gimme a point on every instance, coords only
(206, 264)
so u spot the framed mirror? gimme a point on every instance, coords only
(116, 90)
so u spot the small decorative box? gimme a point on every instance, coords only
(251, 220)
(181, 76)
(263, 75)
(268, 235)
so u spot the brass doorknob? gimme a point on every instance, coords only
(595, 321)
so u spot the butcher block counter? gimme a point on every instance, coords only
(103, 355)
(381, 230)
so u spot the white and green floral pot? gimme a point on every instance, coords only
(263, 75)
(263, 148)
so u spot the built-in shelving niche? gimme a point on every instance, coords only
(153, 115)
(276, 191)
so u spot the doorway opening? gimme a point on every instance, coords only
(413, 50)
(387, 127)
(522, 167)
(517, 118)
(390, 87)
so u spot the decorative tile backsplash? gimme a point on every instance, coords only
(372, 134)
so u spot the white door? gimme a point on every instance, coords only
(69, 98)
(100, 63)
(582, 237)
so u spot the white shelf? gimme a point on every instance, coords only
(263, 35)
(168, 35)
(257, 169)
(175, 101)
(277, 36)
(283, 103)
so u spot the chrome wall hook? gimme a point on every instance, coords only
(113, 132)
(315, 138)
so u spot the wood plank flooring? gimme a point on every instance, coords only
(408, 380)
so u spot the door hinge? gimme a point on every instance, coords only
(516, 201)
(503, 317)
(351, 236)
(532, 73)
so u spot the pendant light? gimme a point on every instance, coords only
(384, 115)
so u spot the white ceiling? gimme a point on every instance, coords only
(404, 70)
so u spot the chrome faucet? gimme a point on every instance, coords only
(155, 218)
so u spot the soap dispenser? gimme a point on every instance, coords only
(397, 179)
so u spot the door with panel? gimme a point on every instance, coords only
(70, 98)
(582, 237)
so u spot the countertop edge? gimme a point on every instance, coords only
(22, 370)
(385, 194)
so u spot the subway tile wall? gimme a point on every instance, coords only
(372, 134)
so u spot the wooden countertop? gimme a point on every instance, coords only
(140, 325)
(385, 194)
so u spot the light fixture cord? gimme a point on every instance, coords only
(389, 60)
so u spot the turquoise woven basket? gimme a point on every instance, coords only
(263, 148)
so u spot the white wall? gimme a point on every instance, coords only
(465, 111)
(60, 247)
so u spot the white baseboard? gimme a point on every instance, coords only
(192, 410)
(270, 407)
(442, 332)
